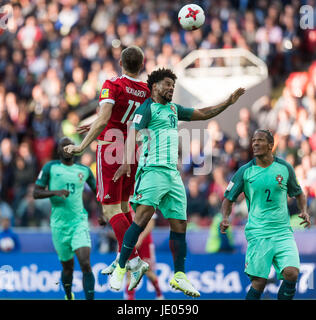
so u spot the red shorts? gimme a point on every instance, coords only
(108, 191)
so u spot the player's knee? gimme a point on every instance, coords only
(85, 266)
(110, 210)
(258, 283)
(143, 215)
(178, 225)
(68, 270)
(290, 273)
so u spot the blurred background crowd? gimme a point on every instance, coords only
(58, 53)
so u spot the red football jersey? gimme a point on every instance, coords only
(126, 94)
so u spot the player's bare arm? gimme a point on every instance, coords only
(213, 111)
(129, 154)
(41, 193)
(84, 128)
(96, 128)
(301, 201)
(226, 211)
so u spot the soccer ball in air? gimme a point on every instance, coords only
(191, 17)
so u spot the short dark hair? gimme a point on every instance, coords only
(132, 59)
(268, 134)
(159, 75)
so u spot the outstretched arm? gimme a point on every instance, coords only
(210, 112)
(96, 128)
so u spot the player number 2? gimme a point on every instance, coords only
(130, 106)
(268, 196)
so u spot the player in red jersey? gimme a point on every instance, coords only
(119, 98)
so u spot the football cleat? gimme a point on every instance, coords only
(109, 269)
(117, 278)
(137, 273)
(72, 297)
(181, 282)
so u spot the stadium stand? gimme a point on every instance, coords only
(56, 54)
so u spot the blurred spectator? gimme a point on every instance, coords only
(9, 241)
(245, 117)
(31, 212)
(243, 137)
(58, 53)
(24, 175)
(197, 205)
(69, 126)
(7, 169)
(195, 159)
(219, 183)
(218, 242)
(6, 211)
(214, 204)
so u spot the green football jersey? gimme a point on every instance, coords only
(57, 176)
(159, 127)
(266, 191)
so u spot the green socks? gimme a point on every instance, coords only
(287, 290)
(67, 283)
(129, 242)
(253, 294)
(88, 285)
(178, 249)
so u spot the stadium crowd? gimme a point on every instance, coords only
(56, 54)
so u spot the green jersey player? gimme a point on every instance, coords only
(158, 182)
(266, 181)
(63, 182)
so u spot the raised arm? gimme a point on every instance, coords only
(96, 128)
(212, 111)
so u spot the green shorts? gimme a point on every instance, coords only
(67, 240)
(161, 188)
(281, 252)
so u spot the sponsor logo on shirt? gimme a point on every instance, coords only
(137, 118)
(137, 93)
(105, 93)
(230, 185)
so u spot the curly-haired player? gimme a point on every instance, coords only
(158, 182)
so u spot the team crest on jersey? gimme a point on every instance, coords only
(279, 178)
(173, 109)
(139, 196)
(80, 175)
(105, 93)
